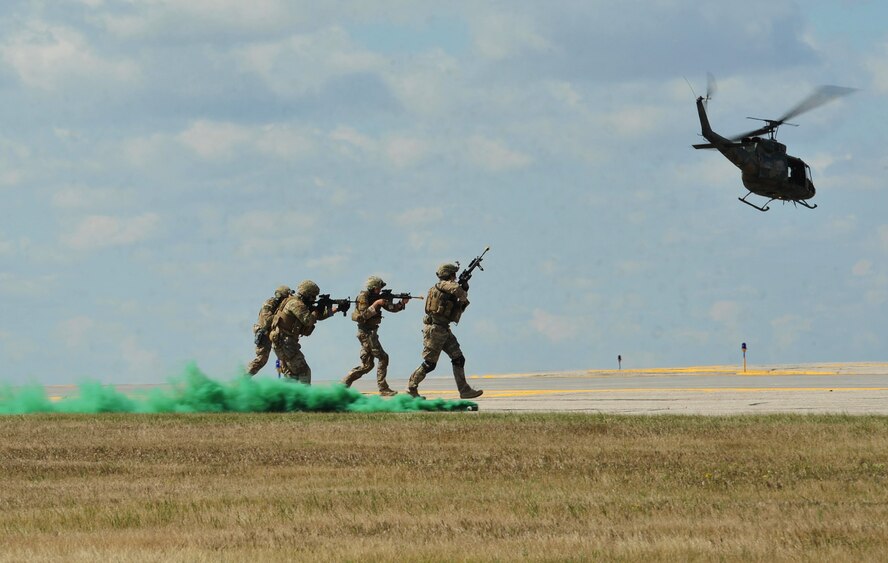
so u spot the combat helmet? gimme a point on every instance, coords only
(308, 289)
(282, 291)
(446, 270)
(375, 283)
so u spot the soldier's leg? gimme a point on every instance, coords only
(293, 364)
(382, 370)
(262, 352)
(433, 338)
(366, 360)
(301, 371)
(458, 360)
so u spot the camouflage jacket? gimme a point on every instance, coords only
(445, 303)
(266, 315)
(366, 316)
(295, 318)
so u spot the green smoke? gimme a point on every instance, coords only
(194, 392)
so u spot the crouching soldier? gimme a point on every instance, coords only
(368, 315)
(262, 328)
(445, 304)
(296, 317)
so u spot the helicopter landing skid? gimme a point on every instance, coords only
(805, 204)
(749, 203)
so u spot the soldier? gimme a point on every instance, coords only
(368, 315)
(262, 328)
(444, 305)
(296, 317)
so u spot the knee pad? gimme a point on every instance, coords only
(428, 366)
(458, 362)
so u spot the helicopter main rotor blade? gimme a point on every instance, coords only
(820, 96)
(711, 86)
(817, 98)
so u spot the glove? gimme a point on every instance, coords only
(260, 336)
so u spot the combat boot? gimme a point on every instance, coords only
(387, 392)
(459, 375)
(414, 392)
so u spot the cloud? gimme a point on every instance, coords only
(101, 231)
(725, 312)
(494, 156)
(20, 286)
(556, 328)
(788, 330)
(877, 65)
(74, 332)
(405, 151)
(501, 35)
(419, 217)
(46, 57)
(862, 268)
(218, 140)
(883, 237)
(83, 197)
(141, 362)
(260, 233)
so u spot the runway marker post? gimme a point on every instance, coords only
(743, 347)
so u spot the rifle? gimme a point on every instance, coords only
(324, 301)
(388, 295)
(466, 274)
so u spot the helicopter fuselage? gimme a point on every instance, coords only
(766, 169)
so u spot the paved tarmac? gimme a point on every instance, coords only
(850, 388)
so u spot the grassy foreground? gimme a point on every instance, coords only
(442, 487)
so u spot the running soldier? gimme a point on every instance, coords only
(368, 315)
(445, 304)
(262, 328)
(297, 317)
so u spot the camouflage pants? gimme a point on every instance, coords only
(370, 349)
(437, 339)
(263, 350)
(289, 352)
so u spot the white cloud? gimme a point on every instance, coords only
(261, 233)
(82, 197)
(419, 217)
(494, 156)
(883, 237)
(862, 268)
(303, 64)
(100, 231)
(46, 57)
(74, 332)
(556, 328)
(16, 285)
(214, 139)
(634, 121)
(499, 35)
(405, 151)
(141, 362)
(788, 329)
(725, 312)
(331, 264)
(877, 64)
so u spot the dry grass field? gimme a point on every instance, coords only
(274, 487)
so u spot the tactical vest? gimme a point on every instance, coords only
(266, 314)
(441, 305)
(287, 323)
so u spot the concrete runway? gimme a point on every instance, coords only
(852, 388)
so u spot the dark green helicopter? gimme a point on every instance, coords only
(766, 168)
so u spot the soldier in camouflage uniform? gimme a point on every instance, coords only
(368, 315)
(444, 305)
(294, 318)
(262, 328)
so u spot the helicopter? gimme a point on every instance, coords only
(766, 169)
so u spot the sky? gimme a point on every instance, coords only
(165, 164)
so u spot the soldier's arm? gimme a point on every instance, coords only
(302, 313)
(363, 305)
(393, 307)
(455, 290)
